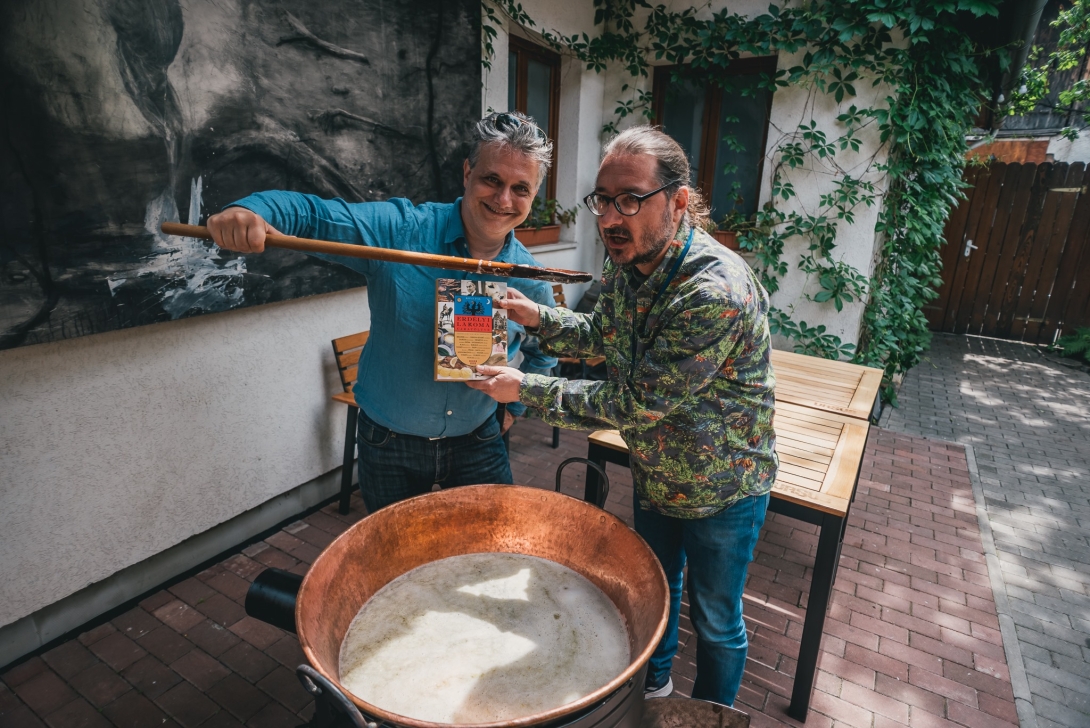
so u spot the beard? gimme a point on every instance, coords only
(649, 245)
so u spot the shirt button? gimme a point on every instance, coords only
(450, 412)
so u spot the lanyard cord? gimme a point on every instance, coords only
(658, 294)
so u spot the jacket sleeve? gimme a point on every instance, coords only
(564, 332)
(682, 359)
(535, 360)
(379, 224)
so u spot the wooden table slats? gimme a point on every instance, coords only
(819, 453)
(831, 386)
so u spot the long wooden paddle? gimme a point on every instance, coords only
(484, 267)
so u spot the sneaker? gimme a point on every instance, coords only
(651, 690)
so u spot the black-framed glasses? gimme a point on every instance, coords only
(625, 203)
(505, 121)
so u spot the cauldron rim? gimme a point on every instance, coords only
(490, 491)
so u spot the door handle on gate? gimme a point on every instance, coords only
(969, 247)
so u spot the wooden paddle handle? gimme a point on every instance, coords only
(308, 245)
(449, 262)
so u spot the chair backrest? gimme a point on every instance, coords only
(347, 349)
(558, 296)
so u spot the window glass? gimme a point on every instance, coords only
(538, 98)
(533, 88)
(683, 119)
(512, 80)
(742, 119)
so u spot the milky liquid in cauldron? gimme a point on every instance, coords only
(481, 638)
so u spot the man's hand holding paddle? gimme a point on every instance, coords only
(240, 230)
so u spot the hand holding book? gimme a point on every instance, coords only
(521, 309)
(503, 383)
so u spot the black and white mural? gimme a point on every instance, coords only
(117, 115)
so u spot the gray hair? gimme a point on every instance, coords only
(516, 131)
(673, 164)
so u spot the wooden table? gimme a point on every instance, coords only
(821, 424)
(830, 386)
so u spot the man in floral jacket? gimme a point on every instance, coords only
(682, 323)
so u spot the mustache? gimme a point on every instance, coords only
(617, 232)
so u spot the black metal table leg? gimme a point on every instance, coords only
(825, 565)
(349, 456)
(600, 455)
(596, 455)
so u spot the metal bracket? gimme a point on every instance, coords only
(328, 698)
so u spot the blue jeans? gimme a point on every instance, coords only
(718, 550)
(393, 466)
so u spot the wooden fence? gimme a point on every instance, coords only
(1017, 260)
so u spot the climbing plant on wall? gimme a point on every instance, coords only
(930, 73)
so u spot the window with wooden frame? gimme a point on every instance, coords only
(533, 87)
(723, 128)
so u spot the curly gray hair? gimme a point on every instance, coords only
(516, 131)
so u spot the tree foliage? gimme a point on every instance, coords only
(1037, 76)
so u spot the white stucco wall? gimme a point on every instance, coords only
(855, 243)
(116, 446)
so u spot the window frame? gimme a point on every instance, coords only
(525, 50)
(713, 102)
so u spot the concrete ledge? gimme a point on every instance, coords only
(49, 623)
(553, 247)
(1023, 699)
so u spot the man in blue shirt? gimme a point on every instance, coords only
(414, 432)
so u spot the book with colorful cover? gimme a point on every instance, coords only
(470, 329)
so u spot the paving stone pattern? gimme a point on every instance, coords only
(912, 636)
(1027, 417)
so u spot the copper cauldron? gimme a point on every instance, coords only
(477, 519)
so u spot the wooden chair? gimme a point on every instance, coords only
(347, 350)
(585, 364)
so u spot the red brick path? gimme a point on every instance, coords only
(911, 639)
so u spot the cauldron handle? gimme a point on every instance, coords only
(602, 492)
(316, 684)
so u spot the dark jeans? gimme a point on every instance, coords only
(393, 466)
(718, 550)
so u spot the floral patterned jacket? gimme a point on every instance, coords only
(689, 385)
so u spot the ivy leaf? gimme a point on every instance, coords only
(887, 19)
(979, 7)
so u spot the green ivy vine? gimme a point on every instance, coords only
(931, 75)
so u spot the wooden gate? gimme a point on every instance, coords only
(1016, 264)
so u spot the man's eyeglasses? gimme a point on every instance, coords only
(625, 203)
(505, 121)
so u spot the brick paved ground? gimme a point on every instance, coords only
(911, 638)
(1028, 421)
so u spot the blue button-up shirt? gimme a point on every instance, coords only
(396, 384)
